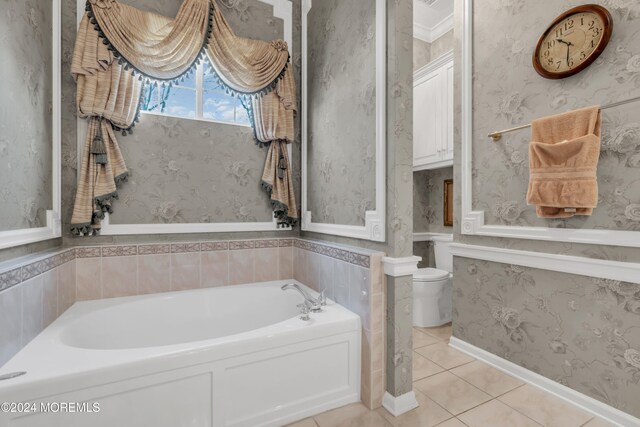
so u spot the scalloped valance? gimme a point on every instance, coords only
(120, 48)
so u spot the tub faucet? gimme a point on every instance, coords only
(315, 304)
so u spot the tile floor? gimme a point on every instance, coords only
(455, 390)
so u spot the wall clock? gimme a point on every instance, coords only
(573, 41)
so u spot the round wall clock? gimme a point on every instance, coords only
(573, 41)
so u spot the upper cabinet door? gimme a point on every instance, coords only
(427, 131)
(433, 114)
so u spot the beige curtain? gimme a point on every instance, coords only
(119, 47)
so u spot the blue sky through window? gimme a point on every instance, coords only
(199, 96)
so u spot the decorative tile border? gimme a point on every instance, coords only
(27, 269)
(15, 274)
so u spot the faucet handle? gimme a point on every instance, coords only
(304, 311)
(322, 297)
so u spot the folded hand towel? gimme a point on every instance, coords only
(563, 158)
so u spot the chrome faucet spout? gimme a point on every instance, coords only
(315, 304)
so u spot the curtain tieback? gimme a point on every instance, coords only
(98, 148)
(282, 164)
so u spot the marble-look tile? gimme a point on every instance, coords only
(313, 270)
(50, 296)
(241, 263)
(496, 414)
(441, 332)
(214, 269)
(423, 367)
(88, 279)
(452, 393)
(300, 265)
(377, 312)
(377, 388)
(599, 422)
(354, 415)
(185, 271)
(453, 422)
(285, 262)
(377, 351)
(266, 264)
(377, 274)
(31, 309)
(444, 355)
(341, 282)
(10, 321)
(486, 378)
(421, 339)
(67, 285)
(428, 414)
(360, 294)
(307, 422)
(119, 276)
(544, 408)
(154, 273)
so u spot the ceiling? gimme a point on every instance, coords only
(432, 18)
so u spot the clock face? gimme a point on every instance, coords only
(573, 41)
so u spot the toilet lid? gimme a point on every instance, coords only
(430, 275)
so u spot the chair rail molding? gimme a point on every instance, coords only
(282, 9)
(582, 266)
(374, 228)
(53, 229)
(473, 222)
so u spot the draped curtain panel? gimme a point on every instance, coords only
(119, 49)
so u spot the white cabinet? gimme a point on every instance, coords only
(433, 114)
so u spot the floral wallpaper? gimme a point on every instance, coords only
(428, 200)
(579, 331)
(508, 92)
(421, 53)
(25, 114)
(341, 117)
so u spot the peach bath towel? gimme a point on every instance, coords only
(563, 159)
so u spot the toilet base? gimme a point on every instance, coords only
(432, 303)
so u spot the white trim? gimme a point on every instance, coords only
(473, 221)
(604, 269)
(282, 9)
(428, 236)
(569, 395)
(399, 405)
(433, 65)
(434, 165)
(431, 34)
(399, 267)
(52, 230)
(375, 221)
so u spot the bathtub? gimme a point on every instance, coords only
(228, 356)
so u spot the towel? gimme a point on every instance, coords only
(563, 159)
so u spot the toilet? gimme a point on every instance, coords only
(432, 287)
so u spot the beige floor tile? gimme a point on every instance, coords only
(354, 415)
(496, 414)
(307, 422)
(420, 339)
(453, 422)
(486, 378)
(599, 422)
(444, 355)
(428, 414)
(450, 392)
(423, 367)
(441, 332)
(544, 408)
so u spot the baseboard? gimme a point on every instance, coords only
(569, 395)
(401, 404)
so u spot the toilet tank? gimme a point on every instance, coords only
(442, 251)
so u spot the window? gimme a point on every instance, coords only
(199, 96)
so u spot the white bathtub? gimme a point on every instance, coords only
(230, 356)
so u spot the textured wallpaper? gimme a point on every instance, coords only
(421, 53)
(341, 111)
(25, 113)
(579, 331)
(428, 201)
(183, 170)
(510, 93)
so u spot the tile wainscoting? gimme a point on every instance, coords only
(35, 290)
(355, 279)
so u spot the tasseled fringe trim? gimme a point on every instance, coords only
(81, 229)
(280, 210)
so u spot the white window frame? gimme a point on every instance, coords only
(199, 89)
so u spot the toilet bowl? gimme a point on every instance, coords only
(432, 288)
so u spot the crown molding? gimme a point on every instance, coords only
(431, 34)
